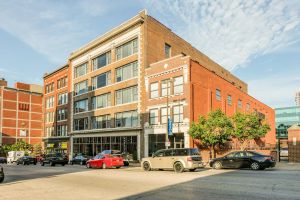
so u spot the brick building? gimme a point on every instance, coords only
(294, 143)
(190, 90)
(56, 110)
(109, 88)
(21, 113)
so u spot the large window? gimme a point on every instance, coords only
(101, 101)
(62, 114)
(178, 85)
(127, 49)
(62, 82)
(102, 121)
(178, 114)
(101, 80)
(50, 102)
(49, 88)
(164, 115)
(81, 124)
(102, 60)
(81, 106)
(229, 100)
(218, 94)
(127, 119)
(126, 95)
(61, 130)
(50, 131)
(154, 90)
(49, 117)
(167, 50)
(81, 87)
(165, 87)
(127, 71)
(80, 70)
(153, 116)
(62, 98)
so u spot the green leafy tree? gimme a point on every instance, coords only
(248, 127)
(37, 150)
(215, 129)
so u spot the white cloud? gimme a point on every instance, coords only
(52, 28)
(232, 32)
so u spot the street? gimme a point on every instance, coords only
(77, 182)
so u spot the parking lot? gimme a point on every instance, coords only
(77, 182)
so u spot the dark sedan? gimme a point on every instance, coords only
(243, 159)
(3, 160)
(26, 160)
(1, 174)
(80, 159)
(53, 159)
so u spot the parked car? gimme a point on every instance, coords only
(105, 161)
(13, 156)
(3, 160)
(1, 174)
(26, 160)
(176, 159)
(79, 159)
(125, 156)
(243, 159)
(53, 159)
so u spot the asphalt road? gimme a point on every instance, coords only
(77, 182)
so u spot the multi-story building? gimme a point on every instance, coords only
(285, 118)
(181, 89)
(109, 88)
(21, 113)
(56, 110)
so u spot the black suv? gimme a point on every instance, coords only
(26, 160)
(53, 159)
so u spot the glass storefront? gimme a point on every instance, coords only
(157, 141)
(56, 146)
(91, 146)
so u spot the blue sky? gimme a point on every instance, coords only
(258, 41)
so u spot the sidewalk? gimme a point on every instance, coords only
(287, 166)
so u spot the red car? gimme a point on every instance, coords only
(105, 161)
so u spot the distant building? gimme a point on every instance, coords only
(285, 118)
(21, 113)
(297, 98)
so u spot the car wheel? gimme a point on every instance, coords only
(146, 166)
(63, 164)
(192, 170)
(254, 166)
(104, 166)
(217, 165)
(24, 163)
(126, 163)
(118, 167)
(51, 164)
(178, 167)
(34, 163)
(88, 165)
(2, 179)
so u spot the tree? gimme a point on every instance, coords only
(248, 127)
(37, 150)
(213, 130)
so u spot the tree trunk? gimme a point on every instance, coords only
(214, 151)
(210, 152)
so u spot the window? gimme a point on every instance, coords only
(63, 99)
(81, 124)
(218, 94)
(81, 106)
(62, 82)
(61, 130)
(50, 131)
(126, 95)
(127, 49)
(50, 102)
(163, 115)
(165, 87)
(153, 116)
(49, 117)
(127, 119)
(101, 80)
(167, 50)
(178, 114)
(24, 106)
(240, 104)
(62, 114)
(178, 85)
(80, 70)
(101, 101)
(102, 121)
(127, 71)
(153, 90)
(102, 60)
(248, 106)
(229, 100)
(81, 87)
(49, 88)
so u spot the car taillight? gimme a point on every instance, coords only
(189, 159)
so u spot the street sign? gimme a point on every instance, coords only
(170, 127)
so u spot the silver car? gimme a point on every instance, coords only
(176, 159)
